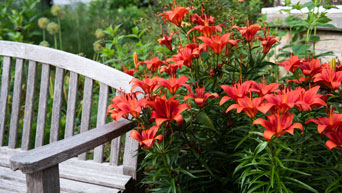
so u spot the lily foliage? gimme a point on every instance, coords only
(210, 118)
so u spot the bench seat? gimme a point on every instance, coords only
(75, 176)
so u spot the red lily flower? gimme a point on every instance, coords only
(202, 20)
(329, 78)
(335, 138)
(216, 43)
(147, 84)
(206, 30)
(267, 42)
(248, 32)
(147, 137)
(153, 64)
(311, 67)
(184, 57)
(309, 99)
(301, 80)
(231, 43)
(166, 40)
(172, 84)
(124, 105)
(291, 64)
(250, 106)
(263, 89)
(277, 125)
(129, 72)
(167, 110)
(175, 16)
(331, 123)
(200, 96)
(236, 91)
(283, 102)
(171, 69)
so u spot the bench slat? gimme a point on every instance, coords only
(71, 109)
(86, 109)
(101, 119)
(5, 78)
(130, 160)
(43, 99)
(18, 80)
(29, 102)
(115, 146)
(57, 103)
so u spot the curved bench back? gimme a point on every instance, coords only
(58, 72)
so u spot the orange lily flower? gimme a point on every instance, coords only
(200, 96)
(236, 91)
(216, 43)
(175, 16)
(248, 32)
(277, 125)
(311, 67)
(171, 69)
(172, 84)
(332, 122)
(147, 84)
(263, 89)
(250, 106)
(268, 41)
(309, 99)
(129, 72)
(335, 139)
(283, 102)
(206, 30)
(166, 40)
(167, 110)
(153, 64)
(291, 64)
(184, 57)
(147, 137)
(202, 20)
(329, 78)
(124, 105)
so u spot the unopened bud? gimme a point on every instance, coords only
(333, 64)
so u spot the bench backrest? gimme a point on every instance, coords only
(58, 72)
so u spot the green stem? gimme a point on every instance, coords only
(60, 33)
(55, 38)
(43, 34)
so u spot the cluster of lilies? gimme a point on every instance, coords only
(250, 97)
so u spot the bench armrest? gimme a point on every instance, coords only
(52, 154)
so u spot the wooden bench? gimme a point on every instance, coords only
(60, 164)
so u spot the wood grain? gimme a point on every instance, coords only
(101, 118)
(130, 160)
(14, 125)
(29, 102)
(45, 181)
(43, 100)
(57, 103)
(57, 152)
(71, 109)
(5, 79)
(86, 109)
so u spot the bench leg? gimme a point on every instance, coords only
(45, 181)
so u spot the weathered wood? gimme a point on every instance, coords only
(5, 79)
(71, 109)
(92, 69)
(57, 103)
(130, 159)
(29, 102)
(43, 99)
(101, 118)
(18, 80)
(45, 181)
(57, 152)
(115, 145)
(86, 109)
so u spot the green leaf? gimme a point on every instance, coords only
(302, 184)
(186, 172)
(173, 183)
(300, 48)
(315, 38)
(205, 120)
(260, 147)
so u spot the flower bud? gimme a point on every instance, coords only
(212, 72)
(44, 43)
(56, 10)
(52, 28)
(333, 64)
(43, 22)
(99, 34)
